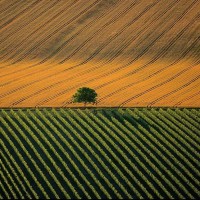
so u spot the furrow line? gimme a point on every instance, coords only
(110, 39)
(106, 43)
(174, 91)
(60, 48)
(85, 61)
(54, 32)
(10, 6)
(19, 14)
(164, 50)
(70, 39)
(9, 92)
(19, 28)
(100, 49)
(8, 13)
(146, 78)
(88, 81)
(41, 26)
(117, 68)
(157, 86)
(164, 32)
(187, 98)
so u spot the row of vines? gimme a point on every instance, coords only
(100, 153)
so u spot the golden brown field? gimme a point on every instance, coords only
(132, 52)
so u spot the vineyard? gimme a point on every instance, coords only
(134, 53)
(100, 153)
(140, 140)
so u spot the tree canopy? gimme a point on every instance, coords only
(85, 95)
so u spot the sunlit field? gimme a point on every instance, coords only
(133, 53)
(99, 99)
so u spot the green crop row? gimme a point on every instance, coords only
(124, 153)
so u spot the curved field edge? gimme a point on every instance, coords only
(100, 153)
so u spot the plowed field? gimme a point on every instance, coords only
(132, 52)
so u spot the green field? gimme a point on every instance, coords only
(100, 153)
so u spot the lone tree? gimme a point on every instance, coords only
(85, 95)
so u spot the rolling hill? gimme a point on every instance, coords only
(132, 52)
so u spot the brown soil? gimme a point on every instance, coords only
(133, 53)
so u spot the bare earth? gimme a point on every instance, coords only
(132, 52)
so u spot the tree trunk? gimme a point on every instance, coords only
(85, 104)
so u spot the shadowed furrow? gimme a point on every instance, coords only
(131, 52)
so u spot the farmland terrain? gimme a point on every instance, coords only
(100, 153)
(132, 52)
